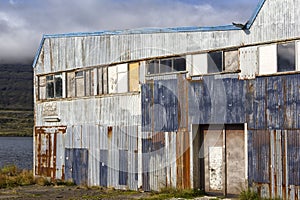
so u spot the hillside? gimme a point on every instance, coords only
(16, 100)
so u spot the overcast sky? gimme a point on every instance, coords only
(23, 22)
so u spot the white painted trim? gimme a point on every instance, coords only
(246, 150)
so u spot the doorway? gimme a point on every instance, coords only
(219, 158)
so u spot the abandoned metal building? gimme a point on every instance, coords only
(214, 108)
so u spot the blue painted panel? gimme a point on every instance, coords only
(275, 104)
(103, 167)
(166, 99)
(76, 165)
(123, 167)
(80, 166)
(68, 164)
(146, 149)
(251, 172)
(147, 98)
(293, 155)
(260, 104)
(291, 95)
(249, 93)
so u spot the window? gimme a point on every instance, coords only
(166, 65)
(54, 86)
(286, 57)
(79, 84)
(275, 58)
(215, 62)
(134, 77)
(102, 80)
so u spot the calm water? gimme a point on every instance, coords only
(17, 151)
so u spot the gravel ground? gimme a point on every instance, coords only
(36, 192)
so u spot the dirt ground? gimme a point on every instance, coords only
(67, 192)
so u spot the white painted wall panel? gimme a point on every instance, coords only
(112, 79)
(200, 64)
(267, 59)
(248, 62)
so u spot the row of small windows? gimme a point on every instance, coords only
(125, 78)
(98, 81)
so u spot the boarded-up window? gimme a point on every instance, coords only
(231, 61)
(112, 79)
(71, 84)
(286, 57)
(42, 87)
(122, 78)
(54, 86)
(87, 84)
(215, 62)
(134, 77)
(267, 59)
(79, 82)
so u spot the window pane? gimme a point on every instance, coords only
(166, 66)
(49, 78)
(58, 86)
(134, 77)
(214, 62)
(153, 67)
(50, 89)
(179, 64)
(79, 74)
(286, 57)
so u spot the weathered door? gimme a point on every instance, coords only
(235, 159)
(215, 168)
(213, 158)
(46, 139)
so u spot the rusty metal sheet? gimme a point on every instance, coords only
(46, 152)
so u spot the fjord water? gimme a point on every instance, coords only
(16, 151)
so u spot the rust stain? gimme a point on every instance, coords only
(109, 132)
(46, 144)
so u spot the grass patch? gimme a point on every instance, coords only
(110, 193)
(251, 195)
(167, 193)
(10, 176)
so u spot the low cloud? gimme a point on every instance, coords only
(23, 22)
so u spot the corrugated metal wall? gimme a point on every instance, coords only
(276, 21)
(269, 105)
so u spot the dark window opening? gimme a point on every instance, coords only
(54, 86)
(179, 64)
(286, 57)
(215, 62)
(166, 65)
(58, 86)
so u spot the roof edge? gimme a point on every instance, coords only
(248, 25)
(146, 31)
(255, 14)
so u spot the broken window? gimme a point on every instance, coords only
(169, 65)
(102, 81)
(215, 62)
(286, 57)
(54, 86)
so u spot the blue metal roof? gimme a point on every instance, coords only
(153, 30)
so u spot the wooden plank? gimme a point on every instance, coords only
(134, 77)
